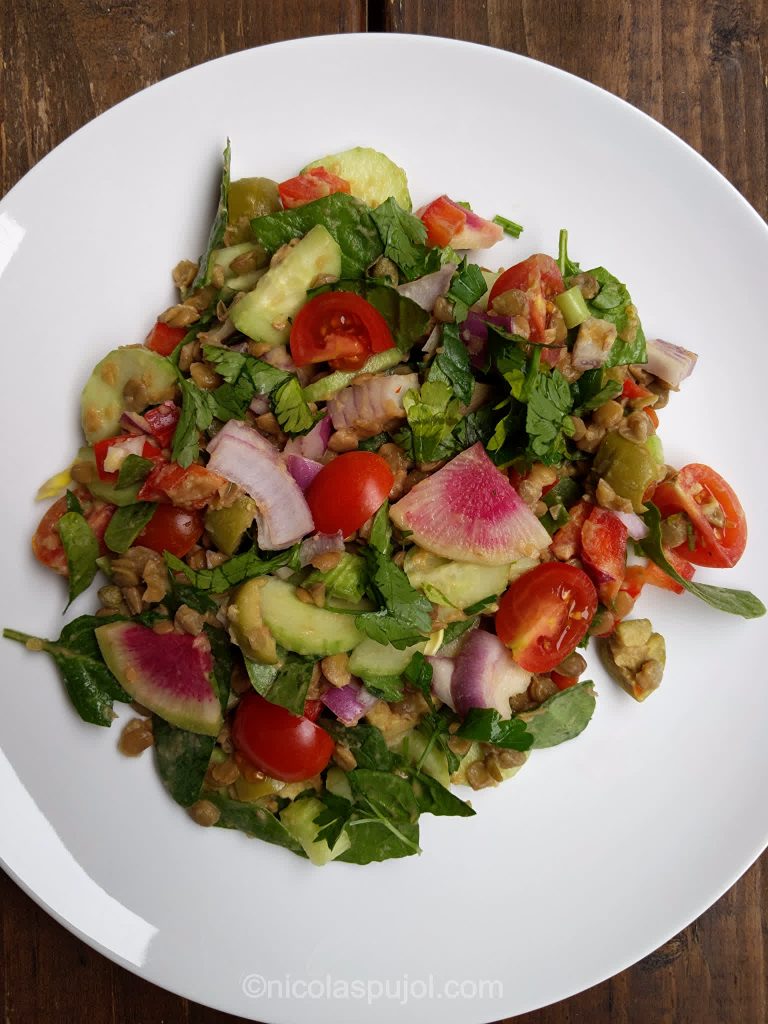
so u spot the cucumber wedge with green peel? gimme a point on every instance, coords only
(372, 176)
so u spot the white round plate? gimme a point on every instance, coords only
(602, 848)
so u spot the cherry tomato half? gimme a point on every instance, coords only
(545, 613)
(348, 491)
(718, 520)
(604, 551)
(188, 488)
(540, 277)
(282, 745)
(46, 543)
(172, 529)
(341, 328)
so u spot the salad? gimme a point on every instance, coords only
(359, 503)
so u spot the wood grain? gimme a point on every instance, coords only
(699, 67)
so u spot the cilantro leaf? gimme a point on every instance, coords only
(549, 404)
(197, 411)
(291, 408)
(432, 413)
(403, 237)
(487, 726)
(468, 285)
(735, 602)
(235, 570)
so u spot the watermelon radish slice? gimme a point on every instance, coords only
(170, 673)
(468, 511)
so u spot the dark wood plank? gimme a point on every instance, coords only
(700, 69)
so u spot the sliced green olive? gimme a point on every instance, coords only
(629, 468)
(252, 197)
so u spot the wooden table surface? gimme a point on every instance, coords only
(701, 68)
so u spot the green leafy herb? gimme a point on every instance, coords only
(182, 759)
(563, 716)
(221, 652)
(468, 285)
(735, 602)
(509, 226)
(347, 219)
(291, 408)
(487, 726)
(82, 549)
(126, 524)
(91, 686)
(197, 412)
(388, 688)
(388, 628)
(253, 820)
(558, 500)
(372, 444)
(73, 503)
(433, 798)
(365, 741)
(380, 537)
(403, 237)
(133, 470)
(547, 419)
(456, 629)
(235, 570)
(432, 413)
(451, 365)
(567, 267)
(183, 593)
(590, 391)
(436, 722)
(614, 304)
(377, 840)
(405, 617)
(285, 684)
(333, 819)
(237, 368)
(219, 225)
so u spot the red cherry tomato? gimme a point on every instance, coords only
(545, 613)
(172, 529)
(539, 276)
(718, 520)
(341, 328)
(312, 709)
(348, 491)
(314, 184)
(46, 543)
(164, 339)
(101, 450)
(563, 682)
(282, 745)
(188, 488)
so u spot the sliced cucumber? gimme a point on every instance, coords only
(372, 176)
(458, 584)
(103, 489)
(412, 747)
(327, 387)
(303, 628)
(246, 624)
(336, 782)
(131, 372)
(298, 818)
(264, 314)
(370, 660)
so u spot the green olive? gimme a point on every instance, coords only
(627, 467)
(227, 526)
(252, 197)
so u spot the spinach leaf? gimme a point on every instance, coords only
(433, 798)
(235, 570)
(388, 688)
(81, 549)
(380, 537)
(133, 470)
(221, 652)
(735, 602)
(614, 304)
(432, 413)
(285, 684)
(291, 408)
(197, 412)
(73, 503)
(388, 628)
(365, 741)
(389, 795)
(91, 686)
(547, 419)
(126, 524)
(510, 227)
(219, 225)
(380, 840)
(254, 821)
(347, 219)
(384, 820)
(451, 365)
(182, 759)
(403, 237)
(563, 716)
(468, 285)
(487, 726)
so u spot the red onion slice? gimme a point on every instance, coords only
(486, 675)
(241, 455)
(349, 703)
(634, 524)
(320, 544)
(314, 444)
(425, 291)
(369, 405)
(671, 363)
(442, 673)
(135, 423)
(302, 470)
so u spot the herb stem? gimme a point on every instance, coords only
(562, 250)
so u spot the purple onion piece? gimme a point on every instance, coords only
(349, 703)
(135, 423)
(671, 363)
(314, 444)
(302, 470)
(320, 544)
(425, 291)
(486, 675)
(259, 405)
(442, 672)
